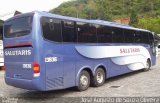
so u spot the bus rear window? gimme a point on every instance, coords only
(18, 27)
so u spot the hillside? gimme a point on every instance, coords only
(113, 9)
(108, 9)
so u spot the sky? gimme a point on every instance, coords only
(9, 6)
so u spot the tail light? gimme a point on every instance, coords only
(36, 69)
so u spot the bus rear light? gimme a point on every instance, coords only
(36, 70)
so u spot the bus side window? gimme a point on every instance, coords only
(138, 38)
(104, 34)
(86, 33)
(129, 36)
(117, 35)
(51, 29)
(145, 37)
(69, 31)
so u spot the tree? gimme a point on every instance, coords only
(90, 10)
(133, 17)
(103, 9)
(110, 9)
(152, 24)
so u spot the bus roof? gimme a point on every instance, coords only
(98, 22)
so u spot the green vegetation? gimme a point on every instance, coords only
(143, 13)
(152, 24)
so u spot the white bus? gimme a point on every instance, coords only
(1, 48)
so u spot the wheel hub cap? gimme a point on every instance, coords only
(99, 77)
(84, 80)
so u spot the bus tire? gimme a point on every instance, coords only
(148, 65)
(84, 81)
(99, 77)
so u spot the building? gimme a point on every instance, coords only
(123, 21)
(5, 17)
(8, 15)
(1, 28)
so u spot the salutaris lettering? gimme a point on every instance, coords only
(17, 52)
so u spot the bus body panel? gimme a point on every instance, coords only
(153, 56)
(53, 60)
(19, 65)
(92, 61)
(34, 84)
(20, 55)
(59, 64)
(69, 65)
(23, 63)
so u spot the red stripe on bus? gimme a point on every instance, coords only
(18, 45)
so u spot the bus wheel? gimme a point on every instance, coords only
(99, 78)
(84, 81)
(148, 65)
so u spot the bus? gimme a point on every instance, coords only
(45, 51)
(1, 49)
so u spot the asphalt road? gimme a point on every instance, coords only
(136, 84)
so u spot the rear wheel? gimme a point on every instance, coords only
(84, 81)
(148, 65)
(99, 77)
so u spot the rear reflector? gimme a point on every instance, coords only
(36, 70)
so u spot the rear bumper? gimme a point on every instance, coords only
(34, 84)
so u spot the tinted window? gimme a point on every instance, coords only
(129, 36)
(18, 27)
(104, 34)
(69, 31)
(141, 37)
(138, 37)
(86, 33)
(51, 29)
(145, 37)
(117, 35)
